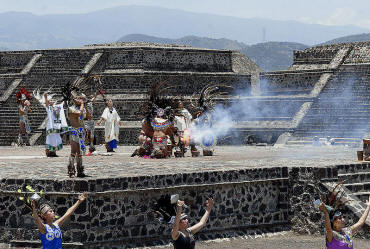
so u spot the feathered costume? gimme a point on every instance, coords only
(56, 123)
(71, 92)
(204, 103)
(24, 107)
(157, 125)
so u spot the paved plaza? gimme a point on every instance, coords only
(31, 162)
(284, 240)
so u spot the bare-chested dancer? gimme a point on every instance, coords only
(76, 115)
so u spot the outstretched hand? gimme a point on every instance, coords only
(209, 203)
(82, 196)
(34, 204)
(322, 207)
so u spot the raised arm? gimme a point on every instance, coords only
(363, 218)
(94, 97)
(70, 211)
(46, 100)
(209, 204)
(37, 219)
(329, 231)
(88, 113)
(175, 228)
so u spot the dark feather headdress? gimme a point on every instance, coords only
(204, 101)
(160, 102)
(333, 202)
(164, 208)
(85, 85)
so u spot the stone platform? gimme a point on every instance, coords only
(31, 162)
(256, 190)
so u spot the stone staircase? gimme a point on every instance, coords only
(127, 76)
(356, 178)
(50, 69)
(341, 111)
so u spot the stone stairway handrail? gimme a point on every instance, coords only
(92, 62)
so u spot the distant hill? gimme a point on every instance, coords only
(22, 30)
(269, 56)
(350, 38)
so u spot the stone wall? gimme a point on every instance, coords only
(307, 184)
(288, 83)
(120, 209)
(5, 83)
(359, 55)
(315, 55)
(13, 62)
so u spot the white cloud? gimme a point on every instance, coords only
(341, 16)
(306, 19)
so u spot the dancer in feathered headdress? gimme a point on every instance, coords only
(56, 122)
(157, 125)
(24, 107)
(95, 83)
(204, 104)
(337, 235)
(75, 98)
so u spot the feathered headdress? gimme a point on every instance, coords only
(160, 103)
(333, 201)
(23, 94)
(85, 85)
(165, 209)
(205, 100)
(40, 97)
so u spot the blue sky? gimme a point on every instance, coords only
(328, 12)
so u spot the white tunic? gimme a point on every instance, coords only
(56, 124)
(111, 124)
(183, 121)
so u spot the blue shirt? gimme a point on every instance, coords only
(52, 239)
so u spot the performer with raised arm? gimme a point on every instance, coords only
(76, 115)
(182, 234)
(56, 123)
(24, 107)
(90, 125)
(337, 235)
(50, 232)
(77, 112)
(111, 119)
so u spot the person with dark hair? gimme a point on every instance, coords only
(90, 125)
(182, 234)
(111, 118)
(76, 115)
(337, 235)
(50, 233)
(24, 107)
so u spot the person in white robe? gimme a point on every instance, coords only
(56, 124)
(111, 119)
